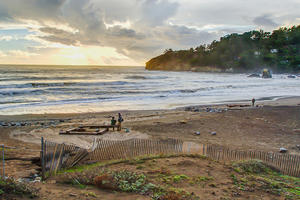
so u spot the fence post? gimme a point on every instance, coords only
(3, 162)
(42, 158)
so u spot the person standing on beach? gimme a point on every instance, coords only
(113, 122)
(120, 120)
(253, 102)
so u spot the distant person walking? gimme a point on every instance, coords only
(253, 102)
(120, 120)
(113, 122)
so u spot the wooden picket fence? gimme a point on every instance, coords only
(109, 150)
(2, 156)
(285, 163)
(58, 156)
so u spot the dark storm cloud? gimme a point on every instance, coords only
(31, 9)
(54, 31)
(57, 39)
(59, 36)
(118, 31)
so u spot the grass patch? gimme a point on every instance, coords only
(179, 178)
(137, 160)
(99, 175)
(164, 175)
(172, 178)
(200, 179)
(254, 175)
(295, 191)
(10, 187)
(127, 181)
(251, 166)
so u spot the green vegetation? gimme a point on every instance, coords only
(162, 182)
(254, 175)
(137, 160)
(131, 182)
(166, 176)
(200, 179)
(251, 166)
(10, 187)
(178, 178)
(90, 194)
(127, 181)
(250, 51)
(101, 176)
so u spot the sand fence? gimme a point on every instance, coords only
(2, 156)
(61, 156)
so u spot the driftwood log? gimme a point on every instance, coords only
(86, 130)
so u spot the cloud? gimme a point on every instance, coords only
(138, 29)
(155, 12)
(21, 54)
(68, 55)
(58, 36)
(39, 10)
(2, 54)
(118, 31)
(6, 38)
(236, 13)
(265, 21)
(186, 36)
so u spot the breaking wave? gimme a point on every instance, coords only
(35, 90)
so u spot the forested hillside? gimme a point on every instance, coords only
(250, 51)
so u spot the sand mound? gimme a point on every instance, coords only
(83, 141)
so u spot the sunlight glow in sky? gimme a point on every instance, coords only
(127, 32)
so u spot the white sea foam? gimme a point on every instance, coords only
(69, 89)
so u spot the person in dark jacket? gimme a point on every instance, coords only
(253, 102)
(120, 120)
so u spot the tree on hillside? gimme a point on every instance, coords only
(279, 50)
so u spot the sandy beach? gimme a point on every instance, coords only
(267, 127)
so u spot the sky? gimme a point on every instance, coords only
(126, 32)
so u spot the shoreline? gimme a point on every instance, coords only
(266, 101)
(233, 120)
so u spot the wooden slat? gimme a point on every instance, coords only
(59, 157)
(100, 150)
(53, 157)
(295, 168)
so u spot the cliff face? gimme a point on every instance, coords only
(160, 63)
(169, 62)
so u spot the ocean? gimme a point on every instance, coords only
(81, 89)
